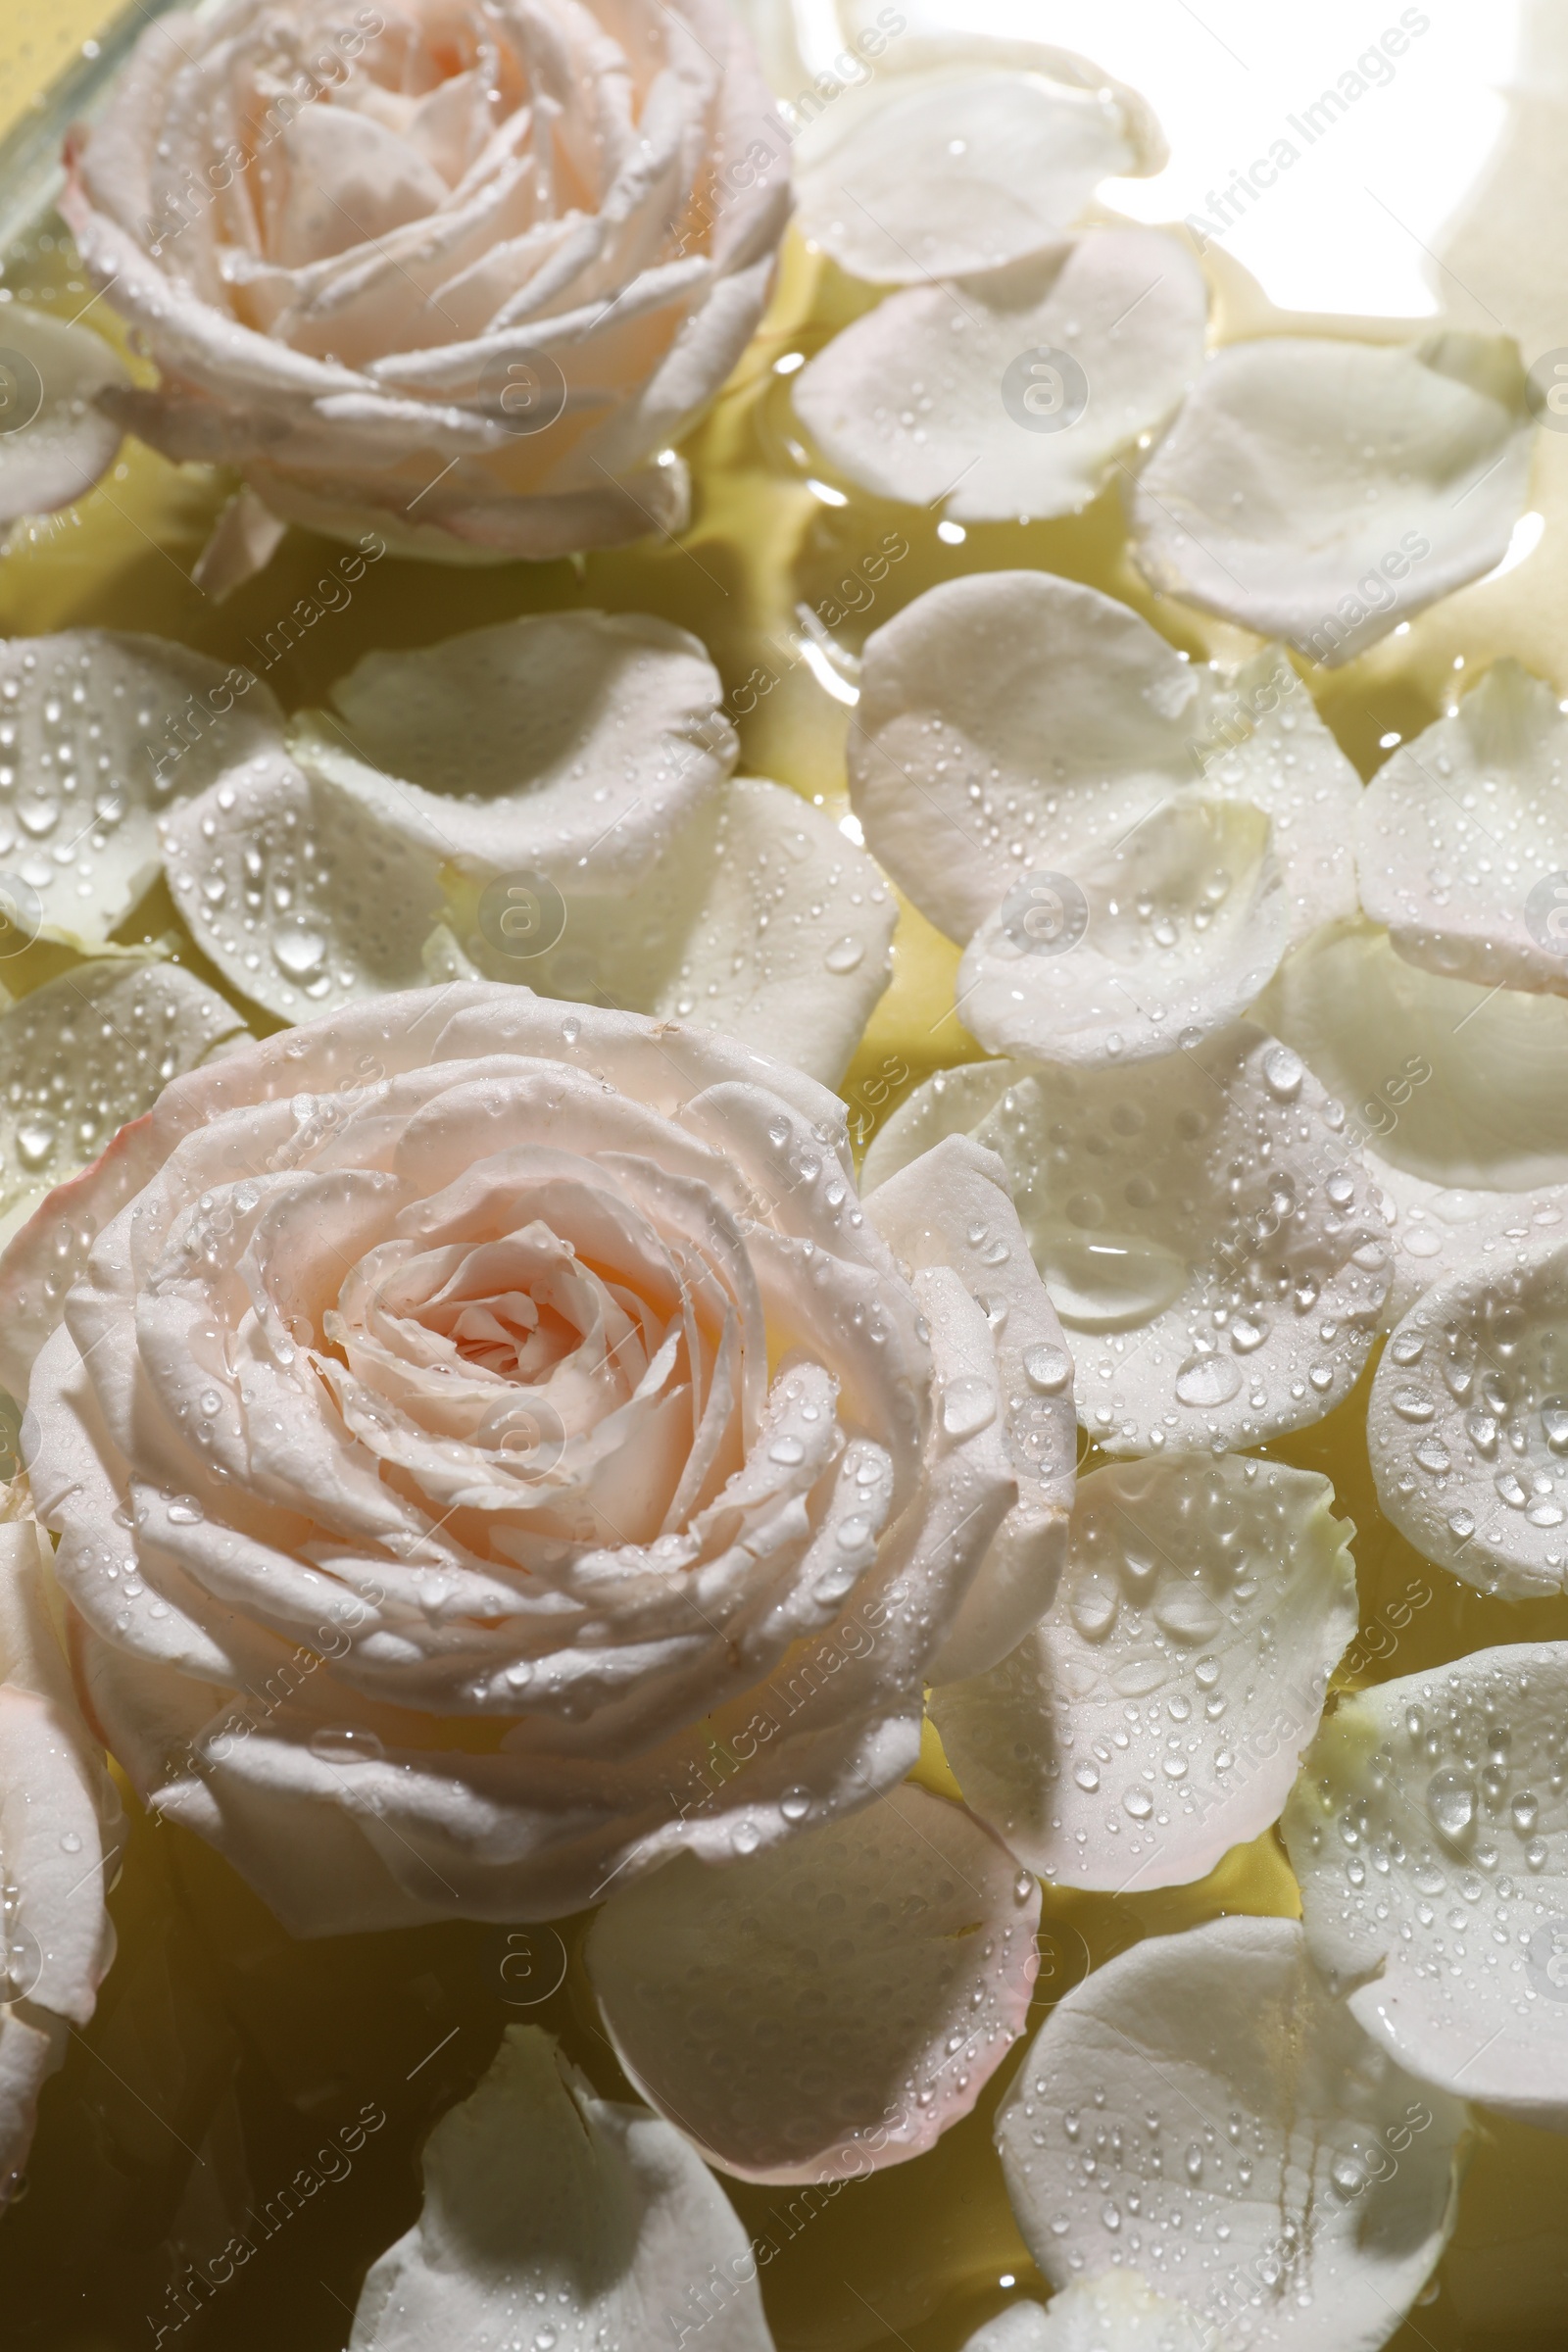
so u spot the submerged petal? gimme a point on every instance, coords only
(1321, 491)
(1293, 2188)
(1429, 1831)
(587, 2214)
(1092, 344)
(829, 2007)
(1154, 1718)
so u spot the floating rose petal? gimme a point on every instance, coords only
(1091, 344)
(1435, 1228)
(585, 2215)
(82, 1057)
(104, 732)
(1468, 1422)
(1202, 2105)
(54, 442)
(1184, 923)
(1321, 491)
(952, 1208)
(1209, 1237)
(1429, 1831)
(831, 2007)
(1456, 1082)
(1462, 839)
(1011, 721)
(962, 155)
(1091, 2315)
(1152, 1719)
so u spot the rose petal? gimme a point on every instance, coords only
(829, 2008)
(87, 1054)
(1091, 2315)
(1461, 834)
(1464, 1441)
(1322, 491)
(1154, 1716)
(54, 443)
(1452, 1082)
(950, 1207)
(1408, 1799)
(55, 1850)
(1140, 1264)
(948, 1102)
(905, 400)
(537, 2192)
(1183, 924)
(1039, 719)
(105, 738)
(1435, 1228)
(1210, 2076)
(962, 156)
(578, 740)
(760, 919)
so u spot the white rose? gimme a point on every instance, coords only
(475, 1411)
(463, 272)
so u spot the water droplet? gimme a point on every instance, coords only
(1138, 1803)
(1283, 1072)
(345, 1743)
(1347, 2175)
(968, 1405)
(1413, 1404)
(1207, 1673)
(186, 1511)
(1523, 1811)
(788, 1450)
(1108, 1282)
(1208, 1380)
(1087, 1775)
(845, 955)
(1048, 1369)
(1554, 1423)
(36, 1139)
(746, 1837)
(1452, 1802)
(795, 1803)
(1195, 2162)
(299, 951)
(71, 1843)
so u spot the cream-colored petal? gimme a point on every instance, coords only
(827, 2008)
(1435, 1228)
(1008, 719)
(87, 1054)
(553, 2214)
(1208, 1237)
(948, 1102)
(1262, 741)
(1429, 1831)
(1092, 344)
(962, 156)
(105, 731)
(760, 919)
(952, 1208)
(54, 442)
(1462, 839)
(1154, 1717)
(1115, 2311)
(1204, 2108)
(1182, 924)
(570, 743)
(1451, 1081)
(1322, 491)
(1468, 1419)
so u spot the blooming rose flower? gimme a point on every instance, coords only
(494, 1454)
(461, 271)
